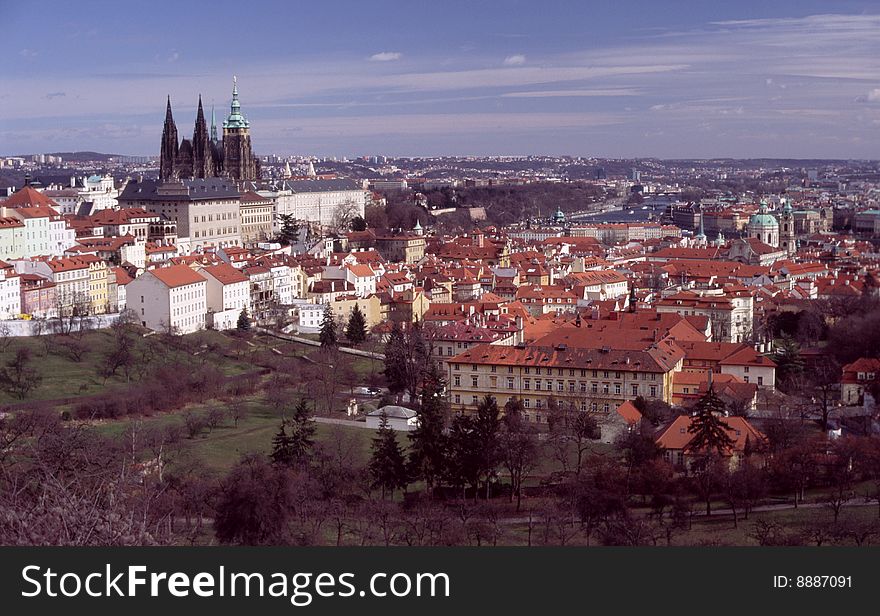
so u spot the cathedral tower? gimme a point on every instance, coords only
(168, 151)
(238, 158)
(203, 164)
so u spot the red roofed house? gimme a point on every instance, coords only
(731, 312)
(169, 299)
(228, 293)
(11, 238)
(857, 377)
(740, 360)
(623, 420)
(675, 441)
(10, 292)
(38, 296)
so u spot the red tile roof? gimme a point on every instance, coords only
(177, 275)
(28, 196)
(225, 274)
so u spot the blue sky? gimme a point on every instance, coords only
(617, 79)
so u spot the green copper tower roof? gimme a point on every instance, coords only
(235, 119)
(763, 218)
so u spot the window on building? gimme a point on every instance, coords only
(510, 382)
(653, 391)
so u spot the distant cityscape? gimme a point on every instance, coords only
(628, 349)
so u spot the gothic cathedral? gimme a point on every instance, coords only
(205, 156)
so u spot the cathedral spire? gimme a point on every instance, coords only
(168, 149)
(213, 125)
(235, 119)
(203, 164)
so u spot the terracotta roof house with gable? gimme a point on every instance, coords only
(227, 294)
(623, 420)
(859, 376)
(675, 441)
(738, 359)
(170, 298)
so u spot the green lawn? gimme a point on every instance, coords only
(64, 377)
(221, 448)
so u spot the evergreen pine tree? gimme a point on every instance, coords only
(292, 444)
(281, 447)
(709, 432)
(302, 431)
(328, 335)
(427, 458)
(387, 463)
(487, 425)
(788, 359)
(464, 458)
(356, 330)
(395, 360)
(244, 321)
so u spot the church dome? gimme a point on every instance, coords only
(763, 218)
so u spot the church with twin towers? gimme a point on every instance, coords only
(206, 156)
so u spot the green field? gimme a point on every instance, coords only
(223, 446)
(65, 377)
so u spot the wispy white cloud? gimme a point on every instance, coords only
(386, 56)
(567, 93)
(874, 95)
(515, 60)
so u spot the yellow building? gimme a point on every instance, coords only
(371, 307)
(589, 380)
(99, 282)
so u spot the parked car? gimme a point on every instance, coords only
(367, 391)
